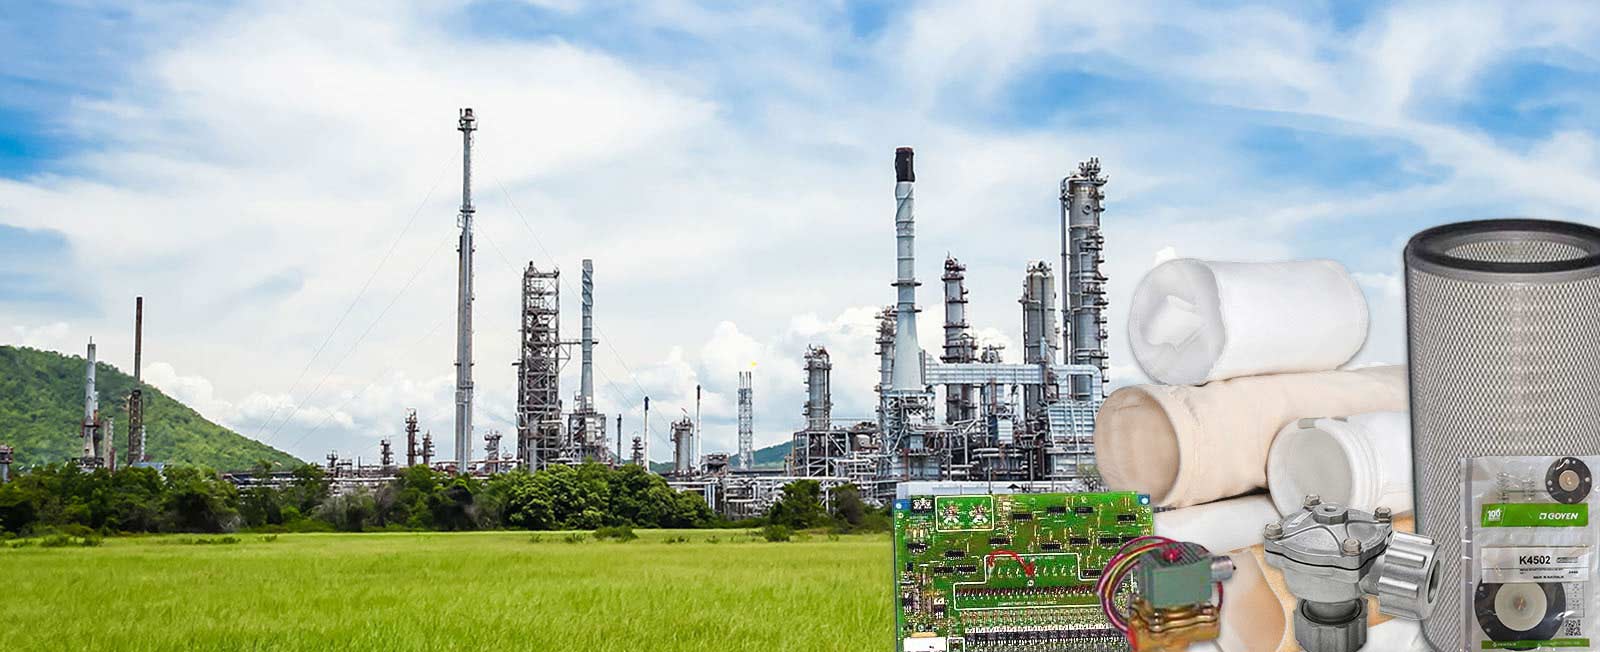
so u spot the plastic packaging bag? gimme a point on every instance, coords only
(1530, 555)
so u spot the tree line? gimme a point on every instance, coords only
(61, 497)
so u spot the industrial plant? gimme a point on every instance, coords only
(960, 415)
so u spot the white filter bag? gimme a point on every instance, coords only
(1222, 526)
(1187, 445)
(1361, 461)
(1195, 321)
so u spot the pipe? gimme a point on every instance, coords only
(1363, 461)
(907, 376)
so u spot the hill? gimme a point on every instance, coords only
(770, 457)
(41, 405)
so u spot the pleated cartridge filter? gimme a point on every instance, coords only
(1503, 321)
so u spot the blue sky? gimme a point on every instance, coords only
(248, 167)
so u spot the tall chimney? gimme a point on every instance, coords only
(697, 434)
(907, 374)
(91, 409)
(466, 125)
(136, 452)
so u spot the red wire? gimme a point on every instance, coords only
(1026, 567)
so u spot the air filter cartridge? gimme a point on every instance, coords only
(1503, 322)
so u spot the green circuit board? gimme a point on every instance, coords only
(1009, 572)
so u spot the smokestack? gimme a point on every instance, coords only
(136, 452)
(647, 433)
(697, 439)
(91, 409)
(138, 339)
(91, 401)
(586, 389)
(466, 125)
(907, 374)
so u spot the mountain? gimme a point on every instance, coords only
(41, 407)
(770, 457)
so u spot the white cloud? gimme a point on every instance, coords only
(249, 173)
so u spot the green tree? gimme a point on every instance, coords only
(307, 488)
(351, 512)
(199, 501)
(800, 507)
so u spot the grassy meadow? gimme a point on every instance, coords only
(668, 591)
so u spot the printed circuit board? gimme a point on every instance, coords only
(1010, 572)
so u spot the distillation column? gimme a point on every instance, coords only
(683, 447)
(1038, 332)
(747, 429)
(959, 345)
(467, 124)
(1083, 293)
(411, 438)
(819, 397)
(885, 362)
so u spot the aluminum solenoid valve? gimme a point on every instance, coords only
(1333, 557)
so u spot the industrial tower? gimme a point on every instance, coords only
(466, 124)
(960, 402)
(136, 440)
(747, 429)
(93, 429)
(1083, 295)
(412, 452)
(538, 364)
(586, 428)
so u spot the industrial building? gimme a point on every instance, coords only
(1032, 421)
(963, 415)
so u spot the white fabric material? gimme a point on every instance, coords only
(1187, 445)
(1222, 526)
(1194, 321)
(1362, 461)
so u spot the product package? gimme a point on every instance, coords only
(1530, 559)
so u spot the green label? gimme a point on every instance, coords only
(1529, 645)
(1535, 515)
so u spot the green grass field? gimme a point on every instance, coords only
(451, 591)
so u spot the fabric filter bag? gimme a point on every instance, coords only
(1187, 445)
(1195, 321)
(1362, 461)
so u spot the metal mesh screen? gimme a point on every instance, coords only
(1501, 364)
(1518, 251)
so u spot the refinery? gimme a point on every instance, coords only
(962, 414)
